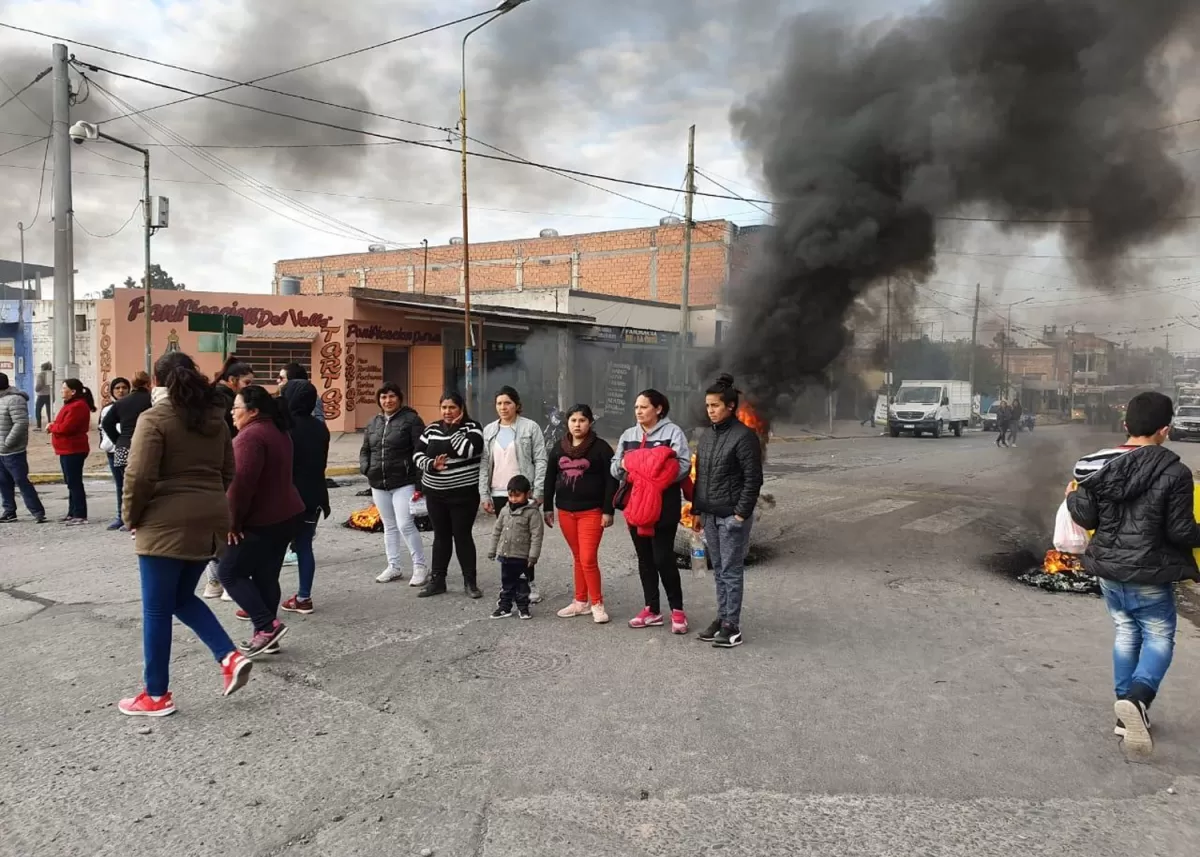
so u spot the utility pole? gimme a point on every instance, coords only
(64, 244)
(425, 273)
(21, 294)
(685, 283)
(887, 344)
(974, 335)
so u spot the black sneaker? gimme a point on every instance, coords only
(524, 613)
(41, 519)
(1133, 717)
(472, 591)
(435, 586)
(272, 649)
(8, 518)
(502, 612)
(1120, 730)
(727, 638)
(710, 633)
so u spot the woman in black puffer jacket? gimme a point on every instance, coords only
(386, 459)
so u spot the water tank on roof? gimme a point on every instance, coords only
(455, 241)
(289, 285)
(669, 220)
(548, 233)
(376, 248)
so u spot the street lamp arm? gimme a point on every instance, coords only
(112, 139)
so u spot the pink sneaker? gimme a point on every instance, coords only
(646, 619)
(679, 623)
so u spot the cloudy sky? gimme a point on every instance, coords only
(606, 86)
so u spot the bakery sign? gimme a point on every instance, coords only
(256, 317)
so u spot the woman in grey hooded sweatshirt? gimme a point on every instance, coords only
(656, 553)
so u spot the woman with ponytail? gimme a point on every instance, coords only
(70, 435)
(180, 464)
(729, 475)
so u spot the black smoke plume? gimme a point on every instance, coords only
(1033, 110)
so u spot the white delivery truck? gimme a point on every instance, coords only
(930, 406)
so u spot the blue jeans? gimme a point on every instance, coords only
(169, 589)
(306, 562)
(118, 475)
(72, 471)
(726, 540)
(1145, 617)
(14, 474)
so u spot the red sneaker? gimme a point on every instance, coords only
(296, 604)
(144, 705)
(241, 614)
(679, 623)
(235, 672)
(646, 619)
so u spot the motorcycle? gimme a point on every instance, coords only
(556, 428)
(1027, 422)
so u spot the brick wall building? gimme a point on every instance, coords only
(645, 263)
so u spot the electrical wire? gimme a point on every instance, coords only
(729, 190)
(16, 94)
(41, 183)
(136, 209)
(23, 146)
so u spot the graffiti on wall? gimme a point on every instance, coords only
(178, 312)
(105, 359)
(330, 372)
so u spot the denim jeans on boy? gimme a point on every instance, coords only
(306, 561)
(726, 540)
(14, 474)
(168, 589)
(1145, 618)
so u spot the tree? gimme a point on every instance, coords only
(159, 279)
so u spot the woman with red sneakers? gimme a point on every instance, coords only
(180, 463)
(70, 435)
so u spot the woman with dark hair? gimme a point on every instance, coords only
(386, 459)
(310, 454)
(512, 446)
(118, 426)
(447, 455)
(118, 388)
(729, 475)
(232, 377)
(265, 511)
(296, 372)
(579, 482)
(180, 463)
(70, 434)
(653, 457)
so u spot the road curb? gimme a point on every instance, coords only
(342, 470)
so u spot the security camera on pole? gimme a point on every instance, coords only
(155, 213)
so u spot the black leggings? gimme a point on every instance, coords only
(656, 561)
(249, 570)
(452, 522)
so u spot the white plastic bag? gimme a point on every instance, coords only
(1069, 537)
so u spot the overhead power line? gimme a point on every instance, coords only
(23, 146)
(16, 93)
(136, 209)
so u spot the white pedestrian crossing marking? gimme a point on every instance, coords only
(861, 513)
(807, 501)
(946, 522)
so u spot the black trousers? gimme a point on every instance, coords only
(514, 583)
(452, 522)
(249, 570)
(43, 402)
(499, 503)
(656, 561)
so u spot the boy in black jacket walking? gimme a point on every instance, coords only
(1139, 500)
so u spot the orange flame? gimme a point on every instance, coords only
(748, 417)
(367, 519)
(1057, 562)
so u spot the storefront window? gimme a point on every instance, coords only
(268, 358)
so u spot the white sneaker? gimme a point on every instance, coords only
(225, 596)
(420, 575)
(213, 589)
(389, 574)
(535, 597)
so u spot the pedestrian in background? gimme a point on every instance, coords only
(640, 453)
(1139, 502)
(386, 459)
(580, 486)
(265, 512)
(1003, 415)
(69, 435)
(310, 454)
(448, 454)
(118, 425)
(43, 389)
(180, 464)
(512, 445)
(233, 376)
(729, 475)
(296, 372)
(1014, 419)
(517, 543)
(14, 456)
(118, 388)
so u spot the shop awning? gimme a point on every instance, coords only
(451, 310)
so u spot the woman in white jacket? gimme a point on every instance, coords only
(512, 445)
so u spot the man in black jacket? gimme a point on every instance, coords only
(1139, 500)
(729, 476)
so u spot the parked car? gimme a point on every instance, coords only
(1186, 425)
(989, 419)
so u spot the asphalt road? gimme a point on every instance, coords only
(899, 693)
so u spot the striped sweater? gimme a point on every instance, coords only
(463, 446)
